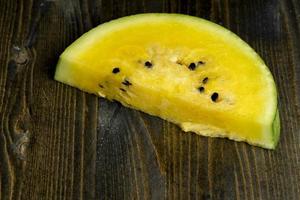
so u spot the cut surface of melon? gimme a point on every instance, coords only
(183, 69)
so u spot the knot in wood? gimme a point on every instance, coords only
(19, 147)
(20, 55)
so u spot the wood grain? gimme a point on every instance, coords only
(57, 142)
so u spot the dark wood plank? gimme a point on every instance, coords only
(59, 143)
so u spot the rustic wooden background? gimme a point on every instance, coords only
(57, 142)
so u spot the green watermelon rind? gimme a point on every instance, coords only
(276, 129)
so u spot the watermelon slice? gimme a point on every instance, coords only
(183, 69)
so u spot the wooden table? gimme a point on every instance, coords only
(57, 142)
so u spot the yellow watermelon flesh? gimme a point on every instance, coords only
(183, 69)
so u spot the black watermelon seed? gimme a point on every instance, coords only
(148, 64)
(205, 80)
(214, 96)
(126, 82)
(192, 66)
(101, 86)
(122, 89)
(116, 70)
(201, 62)
(201, 89)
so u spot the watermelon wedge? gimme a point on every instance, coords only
(183, 69)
